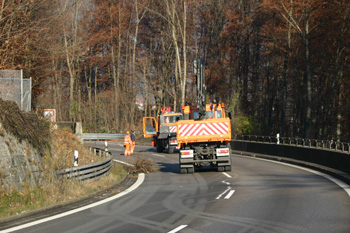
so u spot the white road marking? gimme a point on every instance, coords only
(159, 155)
(227, 175)
(225, 182)
(139, 181)
(230, 194)
(228, 189)
(122, 162)
(336, 181)
(177, 229)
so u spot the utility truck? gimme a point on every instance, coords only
(204, 134)
(162, 130)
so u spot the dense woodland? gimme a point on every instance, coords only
(280, 66)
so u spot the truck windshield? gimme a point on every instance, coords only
(213, 114)
(172, 119)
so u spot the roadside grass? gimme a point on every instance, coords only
(52, 190)
(60, 190)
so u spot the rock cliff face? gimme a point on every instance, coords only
(24, 140)
(19, 163)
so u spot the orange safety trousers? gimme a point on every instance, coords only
(127, 144)
(132, 147)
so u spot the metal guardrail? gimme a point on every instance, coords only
(102, 136)
(319, 144)
(91, 172)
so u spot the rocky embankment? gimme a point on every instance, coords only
(24, 140)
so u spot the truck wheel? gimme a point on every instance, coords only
(171, 149)
(221, 169)
(190, 170)
(228, 168)
(159, 148)
(183, 170)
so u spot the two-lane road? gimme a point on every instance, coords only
(257, 196)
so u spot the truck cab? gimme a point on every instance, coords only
(162, 129)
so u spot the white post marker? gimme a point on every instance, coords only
(76, 156)
(106, 146)
(278, 138)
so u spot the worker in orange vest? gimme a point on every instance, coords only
(127, 143)
(132, 137)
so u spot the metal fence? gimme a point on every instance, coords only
(102, 136)
(319, 144)
(15, 88)
(93, 171)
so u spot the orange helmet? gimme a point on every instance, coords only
(128, 132)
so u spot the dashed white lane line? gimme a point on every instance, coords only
(177, 229)
(230, 194)
(228, 189)
(122, 162)
(139, 181)
(227, 183)
(227, 175)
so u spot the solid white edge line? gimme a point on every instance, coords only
(139, 181)
(122, 162)
(227, 175)
(177, 229)
(230, 194)
(159, 155)
(340, 183)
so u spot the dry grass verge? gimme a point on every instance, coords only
(53, 190)
(58, 191)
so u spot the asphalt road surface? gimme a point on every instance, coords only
(256, 196)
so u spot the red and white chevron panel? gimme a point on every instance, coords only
(172, 129)
(203, 129)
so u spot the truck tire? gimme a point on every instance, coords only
(190, 170)
(183, 170)
(221, 169)
(159, 147)
(171, 149)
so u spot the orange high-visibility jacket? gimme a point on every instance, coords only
(127, 140)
